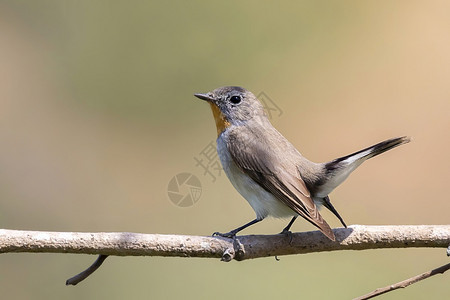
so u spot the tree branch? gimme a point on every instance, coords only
(86, 273)
(356, 237)
(405, 283)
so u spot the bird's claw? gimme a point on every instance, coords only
(288, 233)
(230, 235)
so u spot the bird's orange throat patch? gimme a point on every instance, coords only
(221, 122)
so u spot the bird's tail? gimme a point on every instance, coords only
(370, 152)
(338, 170)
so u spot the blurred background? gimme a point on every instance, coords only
(97, 116)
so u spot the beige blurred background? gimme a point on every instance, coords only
(97, 115)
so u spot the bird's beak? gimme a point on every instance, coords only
(206, 97)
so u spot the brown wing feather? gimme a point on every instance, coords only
(260, 162)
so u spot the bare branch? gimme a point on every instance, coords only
(86, 273)
(405, 283)
(356, 237)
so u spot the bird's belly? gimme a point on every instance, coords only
(263, 203)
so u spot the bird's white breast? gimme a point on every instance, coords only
(263, 203)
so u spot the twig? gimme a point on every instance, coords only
(83, 275)
(405, 283)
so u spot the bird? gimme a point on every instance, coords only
(268, 171)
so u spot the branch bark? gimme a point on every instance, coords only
(355, 237)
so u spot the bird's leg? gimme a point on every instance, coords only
(232, 233)
(327, 204)
(286, 230)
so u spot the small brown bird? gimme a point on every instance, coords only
(268, 171)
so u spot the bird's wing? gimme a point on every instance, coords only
(259, 161)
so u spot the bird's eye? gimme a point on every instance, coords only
(235, 99)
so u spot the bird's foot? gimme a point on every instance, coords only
(289, 234)
(230, 235)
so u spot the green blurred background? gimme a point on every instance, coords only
(97, 115)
